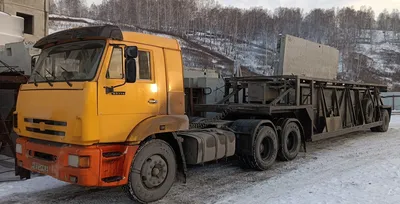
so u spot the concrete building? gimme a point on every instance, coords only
(34, 13)
(11, 29)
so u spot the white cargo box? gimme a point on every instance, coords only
(305, 58)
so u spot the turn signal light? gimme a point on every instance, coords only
(78, 162)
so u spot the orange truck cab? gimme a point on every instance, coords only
(96, 95)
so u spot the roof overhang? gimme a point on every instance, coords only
(98, 32)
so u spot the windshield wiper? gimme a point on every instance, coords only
(65, 78)
(34, 81)
(45, 78)
(54, 77)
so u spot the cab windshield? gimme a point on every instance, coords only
(77, 61)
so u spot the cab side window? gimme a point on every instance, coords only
(115, 70)
(144, 66)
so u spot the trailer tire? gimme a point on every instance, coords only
(290, 142)
(385, 119)
(368, 108)
(152, 173)
(264, 150)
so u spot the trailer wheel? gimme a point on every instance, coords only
(152, 173)
(385, 119)
(368, 108)
(290, 142)
(264, 150)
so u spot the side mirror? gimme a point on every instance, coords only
(130, 70)
(131, 52)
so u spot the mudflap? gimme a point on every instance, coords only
(21, 172)
(182, 166)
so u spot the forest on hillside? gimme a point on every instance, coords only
(342, 28)
(338, 27)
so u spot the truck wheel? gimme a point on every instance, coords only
(153, 172)
(368, 108)
(264, 150)
(290, 142)
(385, 119)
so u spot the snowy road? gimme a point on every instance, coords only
(357, 168)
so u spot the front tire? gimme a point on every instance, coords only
(152, 173)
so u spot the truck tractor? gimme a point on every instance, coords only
(106, 108)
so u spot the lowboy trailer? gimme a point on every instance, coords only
(106, 108)
(322, 108)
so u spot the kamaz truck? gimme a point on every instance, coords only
(106, 108)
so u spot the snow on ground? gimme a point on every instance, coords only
(356, 168)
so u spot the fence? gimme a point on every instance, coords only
(392, 99)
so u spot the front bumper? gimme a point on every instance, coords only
(109, 164)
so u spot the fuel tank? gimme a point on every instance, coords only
(206, 145)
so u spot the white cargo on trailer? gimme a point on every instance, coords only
(305, 58)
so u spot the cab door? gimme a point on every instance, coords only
(121, 108)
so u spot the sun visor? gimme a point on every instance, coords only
(107, 31)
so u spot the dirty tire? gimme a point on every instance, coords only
(368, 108)
(264, 150)
(152, 173)
(386, 120)
(290, 142)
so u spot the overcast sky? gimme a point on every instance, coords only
(377, 5)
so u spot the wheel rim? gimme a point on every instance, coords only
(266, 147)
(154, 171)
(291, 141)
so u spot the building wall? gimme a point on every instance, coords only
(16, 55)
(36, 8)
(11, 29)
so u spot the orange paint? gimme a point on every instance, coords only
(55, 163)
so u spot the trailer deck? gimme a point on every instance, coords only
(326, 108)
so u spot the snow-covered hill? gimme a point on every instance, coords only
(194, 54)
(381, 55)
(376, 57)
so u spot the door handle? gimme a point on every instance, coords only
(152, 101)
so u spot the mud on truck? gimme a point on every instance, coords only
(106, 108)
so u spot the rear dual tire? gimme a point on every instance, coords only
(264, 150)
(290, 142)
(267, 147)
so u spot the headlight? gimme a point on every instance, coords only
(18, 148)
(78, 162)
